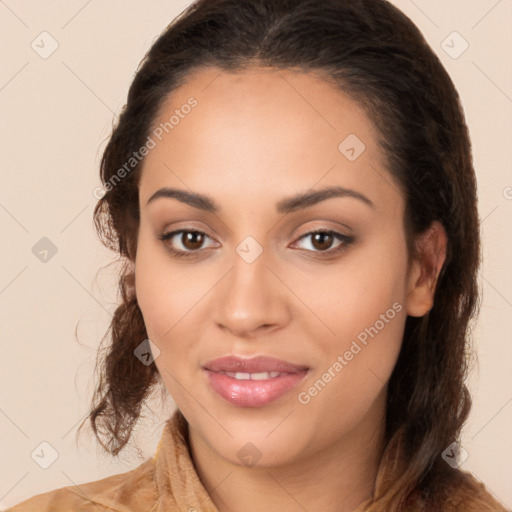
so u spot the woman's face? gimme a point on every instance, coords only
(256, 279)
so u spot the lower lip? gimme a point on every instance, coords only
(253, 393)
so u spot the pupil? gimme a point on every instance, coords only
(322, 238)
(193, 240)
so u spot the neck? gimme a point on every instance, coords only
(336, 479)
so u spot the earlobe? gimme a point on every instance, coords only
(422, 280)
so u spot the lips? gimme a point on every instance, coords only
(253, 382)
(254, 365)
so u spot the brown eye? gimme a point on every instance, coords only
(192, 240)
(184, 242)
(322, 241)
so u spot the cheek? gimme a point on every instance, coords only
(156, 288)
(362, 303)
(171, 300)
(353, 295)
(163, 292)
(162, 307)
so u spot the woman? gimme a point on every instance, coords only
(291, 189)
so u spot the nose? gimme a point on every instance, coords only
(251, 300)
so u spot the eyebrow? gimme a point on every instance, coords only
(287, 205)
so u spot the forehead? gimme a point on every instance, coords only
(260, 130)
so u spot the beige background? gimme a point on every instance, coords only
(55, 116)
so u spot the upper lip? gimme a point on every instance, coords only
(252, 365)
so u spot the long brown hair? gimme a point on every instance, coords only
(375, 54)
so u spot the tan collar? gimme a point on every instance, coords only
(178, 484)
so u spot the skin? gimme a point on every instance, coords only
(254, 138)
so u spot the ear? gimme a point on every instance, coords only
(421, 286)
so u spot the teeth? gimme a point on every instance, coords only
(252, 376)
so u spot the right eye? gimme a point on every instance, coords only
(189, 240)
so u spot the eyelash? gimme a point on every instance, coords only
(347, 240)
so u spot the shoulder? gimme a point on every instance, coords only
(126, 492)
(468, 494)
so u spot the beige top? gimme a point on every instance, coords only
(168, 482)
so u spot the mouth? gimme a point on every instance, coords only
(253, 376)
(253, 382)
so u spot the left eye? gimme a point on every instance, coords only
(322, 240)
